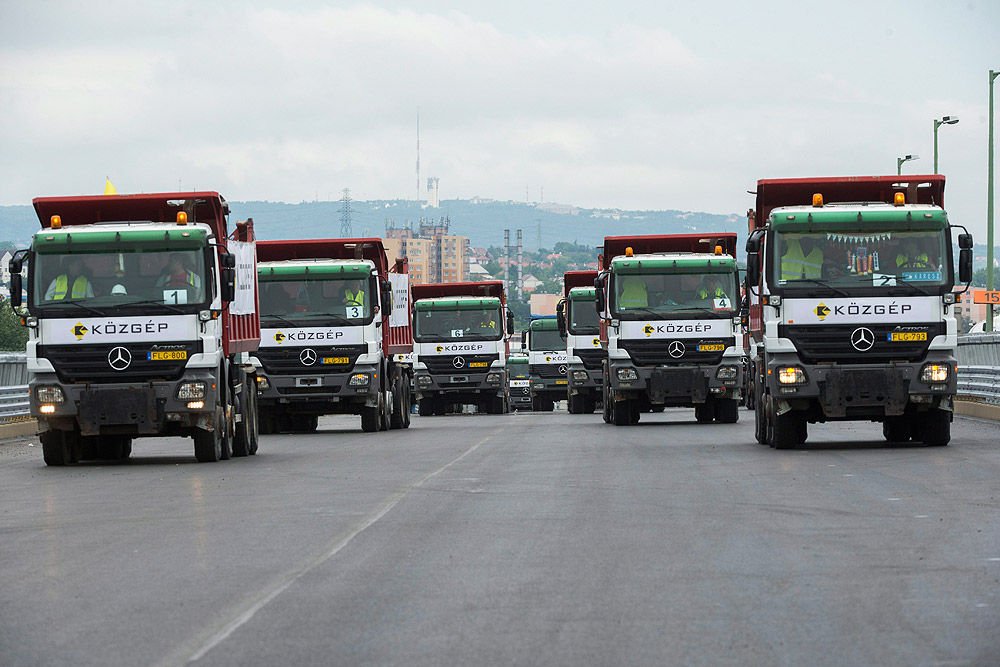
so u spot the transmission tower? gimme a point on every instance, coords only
(345, 215)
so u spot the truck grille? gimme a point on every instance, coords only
(289, 360)
(832, 343)
(657, 352)
(592, 359)
(469, 364)
(93, 363)
(548, 370)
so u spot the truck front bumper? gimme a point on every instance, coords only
(321, 393)
(584, 381)
(469, 386)
(125, 408)
(862, 390)
(552, 388)
(676, 386)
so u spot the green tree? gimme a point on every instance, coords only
(13, 336)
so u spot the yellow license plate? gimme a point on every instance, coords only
(168, 355)
(562, 381)
(479, 364)
(712, 347)
(336, 360)
(907, 336)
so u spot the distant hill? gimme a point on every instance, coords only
(482, 220)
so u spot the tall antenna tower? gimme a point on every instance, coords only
(418, 156)
(345, 215)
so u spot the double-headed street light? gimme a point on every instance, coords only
(945, 120)
(901, 160)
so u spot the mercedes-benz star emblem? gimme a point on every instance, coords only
(862, 339)
(307, 356)
(458, 362)
(676, 349)
(119, 358)
(562, 369)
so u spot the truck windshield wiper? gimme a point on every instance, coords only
(900, 280)
(821, 283)
(649, 312)
(89, 309)
(337, 319)
(152, 302)
(279, 317)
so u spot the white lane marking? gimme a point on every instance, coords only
(281, 585)
(921, 516)
(993, 560)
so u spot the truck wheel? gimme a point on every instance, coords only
(241, 434)
(60, 448)
(253, 416)
(727, 411)
(425, 407)
(385, 411)
(398, 405)
(759, 417)
(606, 404)
(789, 430)
(574, 404)
(936, 428)
(369, 419)
(897, 429)
(208, 444)
(440, 407)
(621, 413)
(406, 401)
(704, 413)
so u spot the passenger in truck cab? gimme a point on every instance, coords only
(177, 275)
(913, 257)
(72, 282)
(633, 293)
(802, 259)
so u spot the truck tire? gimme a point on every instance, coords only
(759, 416)
(704, 413)
(241, 434)
(621, 413)
(407, 402)
(897, 429)
(385, 411)
(935, 428)
(425, 407)
(369, 419)
(208, 444)
(788, 430)
(60, 448)
(727, 411)
(399, 407)
(606, 404)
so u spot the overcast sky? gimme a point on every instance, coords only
(635, 105)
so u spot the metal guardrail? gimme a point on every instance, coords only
(979, 367)
(13, 403)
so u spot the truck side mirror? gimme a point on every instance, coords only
(965, 241)
(599, 298)
(561, 318)
(227, 260)
(15, 289)
(964, 265)
(227, 287)
(386, 296)
(510, 322)
(753, 268)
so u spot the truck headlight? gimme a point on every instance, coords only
(932, 373)
(493, 378)
(627, 375)
(263, 384)
(424, 380)
(360, 380)
(726, 373)
(791, 375)
(579, 376)
(189, 391)
(50, 394)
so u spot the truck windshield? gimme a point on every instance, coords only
(545, 341)
(907, 261)
(152, 280)
(464, 324)
(583, 318)
(674, 295)
(316, 302)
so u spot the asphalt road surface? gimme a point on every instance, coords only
(521, 539)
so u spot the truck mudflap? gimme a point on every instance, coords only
(666, 384)
(844, 388)
(103, 407)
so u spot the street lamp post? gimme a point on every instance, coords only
(989, 209)
(946, 120)
(901, 160)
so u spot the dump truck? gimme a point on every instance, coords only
(461, 344)
(519, 382)
(851, 306)
(580, 327)
(335, 318)
(547, 369)
(671, 326)
(142, 312)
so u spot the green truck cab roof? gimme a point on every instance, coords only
(547, 324)
(321, 269)
(457, 303)
(673, 263)
(583, 294)
(68, 239)
(517, 360)
(857, 217)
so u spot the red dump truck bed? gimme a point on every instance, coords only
(485, 288)
(775, 192)
(397, 336)
(641, 245)
(573, 279)
(241, 331)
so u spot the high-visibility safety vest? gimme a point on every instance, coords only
(187, 280)
(633, 293)
(796, 265)
(356, 298)
(719, 293)
(80, 285)
(921, 261)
